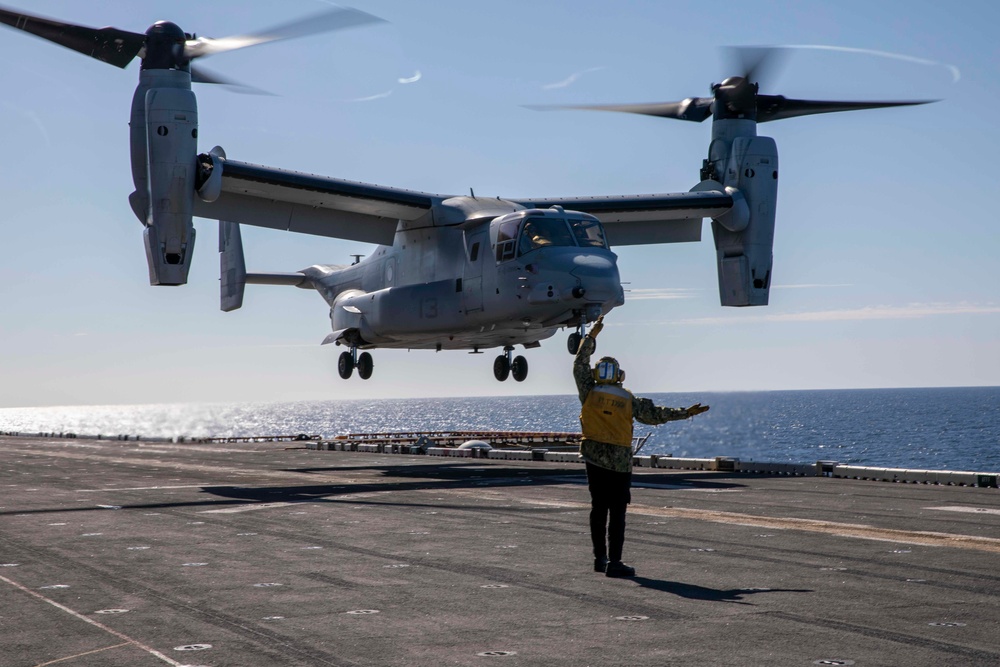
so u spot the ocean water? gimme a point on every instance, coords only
(938, 429)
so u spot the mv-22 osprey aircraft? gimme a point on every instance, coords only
(450, 272)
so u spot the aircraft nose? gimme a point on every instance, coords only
(591, 266)
(577, 276)
(598, 278)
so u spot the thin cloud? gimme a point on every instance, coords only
(380, 96)
(955, 73)
(867, 313)
(665, 293)
(372, 97)
(274, 346)
(661, 293)
(811, 286)
(33, 118)
(571, 79)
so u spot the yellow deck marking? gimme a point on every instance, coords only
(80, 655)
(968, 510)
(854, 530)
(857, 530)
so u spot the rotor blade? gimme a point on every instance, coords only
(339, 18)
(757, 64)
(110, 45)
(778, 107)
(695, 109)
(201, 75)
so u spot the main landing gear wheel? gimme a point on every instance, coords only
(350, 360)
(365, 366)
(345, 364)
(501, 368)
(519, 368)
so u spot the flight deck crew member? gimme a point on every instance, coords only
(606, 420)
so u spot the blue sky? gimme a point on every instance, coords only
(886, 252)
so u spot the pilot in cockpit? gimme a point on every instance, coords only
(543, 232)
(532, 236)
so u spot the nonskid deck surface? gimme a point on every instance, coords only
(135, 553)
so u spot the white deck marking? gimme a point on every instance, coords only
(250, 507)
(970, 510)
(83, 618)
(151, 488)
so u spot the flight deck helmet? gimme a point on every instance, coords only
(607, 371)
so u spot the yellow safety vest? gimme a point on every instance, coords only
(607, 415)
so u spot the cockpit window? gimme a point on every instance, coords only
(543, 232)
(588, 233)
(506, 240)
(521, 236)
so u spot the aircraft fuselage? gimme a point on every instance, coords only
(503, 276)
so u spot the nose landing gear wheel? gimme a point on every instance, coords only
(501, 368)
(345, 365)
(519, 368)
(365, 366)
(573, 342)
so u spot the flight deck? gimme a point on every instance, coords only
(140, 553)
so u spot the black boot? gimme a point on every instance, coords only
(600, 564)
(619, 569)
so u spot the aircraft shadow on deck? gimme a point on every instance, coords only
(469, 476)
(419, 477)
(488, 473)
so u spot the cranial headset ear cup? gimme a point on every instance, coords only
(621, 376)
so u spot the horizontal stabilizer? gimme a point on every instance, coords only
(287, 279)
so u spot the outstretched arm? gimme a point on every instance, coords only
(646, 412)
(581, 365)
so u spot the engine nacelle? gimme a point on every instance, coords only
(171, 138)
(744, 244)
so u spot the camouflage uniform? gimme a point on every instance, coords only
(614, 457)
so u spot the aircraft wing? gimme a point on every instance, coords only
(642, 219)
(308, 204)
